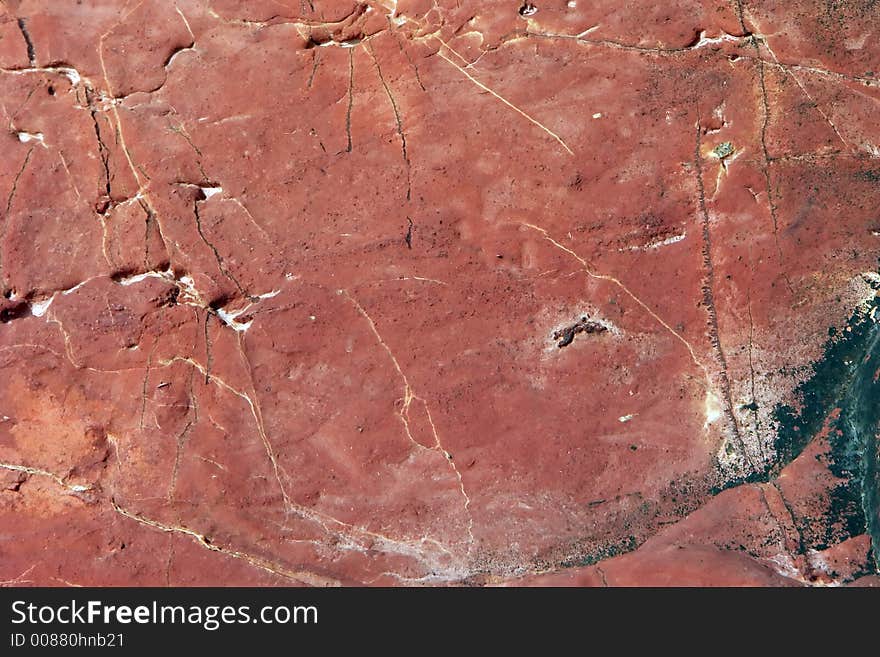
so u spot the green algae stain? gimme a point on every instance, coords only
(854, 448)
(627, 544)
(846, 377)
(724, 149)
(832, 379)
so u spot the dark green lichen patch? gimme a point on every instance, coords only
(871, 495)
(870, 175)
(845, 378)
(627, 544)
(724, 149)
(854, 450)
(845, 517)
(832, 381)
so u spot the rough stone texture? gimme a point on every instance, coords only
(289, 287)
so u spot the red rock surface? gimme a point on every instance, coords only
(286, 287)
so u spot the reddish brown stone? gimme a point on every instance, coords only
(281, 285)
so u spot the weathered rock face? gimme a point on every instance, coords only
(439, 292)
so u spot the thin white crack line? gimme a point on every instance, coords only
(403, 414)
(185, 22)
(236, 201)
(400, 279)
(626, 290)
(420, 25)
(507, 102)
(120, 136)
(763, 39)
(267, 445)
(68, 583)
(202, 540)
(76, 488)
(351, 533)
(20, 579)
(807, 94)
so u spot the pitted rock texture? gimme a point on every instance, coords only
(285, 286)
